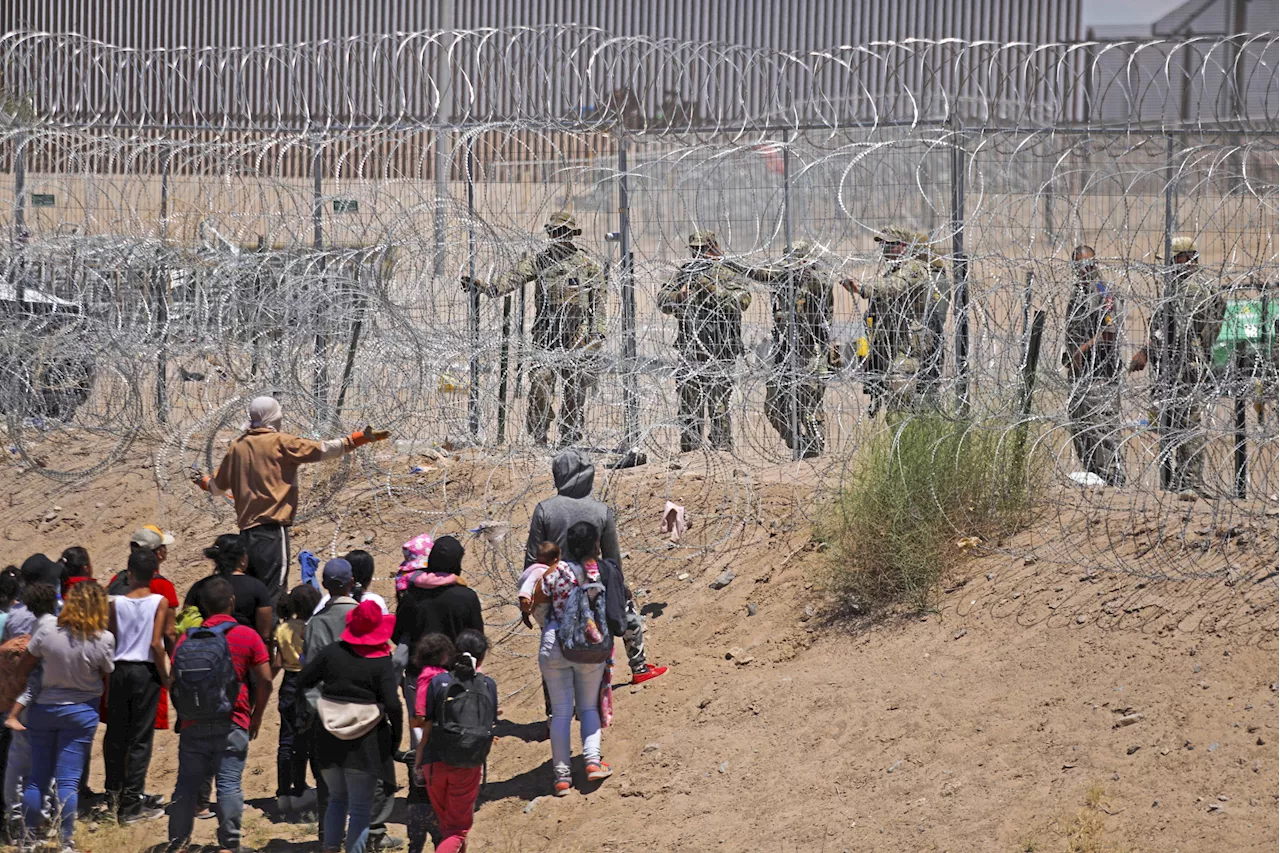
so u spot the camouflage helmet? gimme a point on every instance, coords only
(802, 249)
(900, 234)
(702, 239)
(562, 220)
(1181, 245)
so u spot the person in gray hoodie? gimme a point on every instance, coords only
(574, 476)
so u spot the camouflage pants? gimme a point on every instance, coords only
(781, 394)
(1094, 409)
(633, 638)
(1184, 412)
(575, 375)
(704, 388)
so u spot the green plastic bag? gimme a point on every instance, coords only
(1242, 327)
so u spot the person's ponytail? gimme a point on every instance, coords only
(225, 552)
(471, 648)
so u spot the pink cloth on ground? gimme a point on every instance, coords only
(424, 681)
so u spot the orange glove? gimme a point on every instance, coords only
(369, 435)
(201, 480)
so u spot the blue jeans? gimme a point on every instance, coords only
(350, 796)
(207, 749)
(60, 737)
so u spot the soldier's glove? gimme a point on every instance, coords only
(369, 435)
(470, 285)
(834, 358)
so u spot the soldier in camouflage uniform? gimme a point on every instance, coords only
(1183, 332)
(895, 319)
(568, 326)
(937, 301)
(707, 297)
(798, 380)
(1092, 360)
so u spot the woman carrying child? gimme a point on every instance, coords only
(576, 620)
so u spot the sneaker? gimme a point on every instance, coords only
(563, 786)
(153, 800)
(598, 771)
(387, 842)
(649, 673)
(141, 814)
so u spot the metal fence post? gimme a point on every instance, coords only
(473, 302)
(320, 378)
(160, 294)
(959, 269)
(626, 276)
(793, 332)
(19, 212)
(1164, 313)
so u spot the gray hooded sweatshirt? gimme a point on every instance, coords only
(574, 475)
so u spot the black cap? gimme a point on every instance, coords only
(40, 569)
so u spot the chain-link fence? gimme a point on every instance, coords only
(186, 229)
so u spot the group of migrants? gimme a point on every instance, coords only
(357, 676)
(902, 355)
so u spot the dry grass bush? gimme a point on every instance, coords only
(912, 492)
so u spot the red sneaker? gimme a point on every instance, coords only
(563, 786)
(648, 673)
(598, 771)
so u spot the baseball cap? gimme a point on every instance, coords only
(336, 572)
(150, 537)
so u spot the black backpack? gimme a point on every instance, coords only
(464, 720)
(205, 686)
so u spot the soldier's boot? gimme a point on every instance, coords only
(541, 396)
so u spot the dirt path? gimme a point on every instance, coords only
(989, 725)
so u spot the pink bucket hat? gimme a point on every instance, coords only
(415, 552)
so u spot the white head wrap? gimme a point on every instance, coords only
(265, 412)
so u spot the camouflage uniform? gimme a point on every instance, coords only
(933, 338)
(896, 319)
(797, 382)
(707, 297)
(568, 326)
(1193, 306)
(1093, 318)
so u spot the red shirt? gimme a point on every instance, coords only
(247, 651)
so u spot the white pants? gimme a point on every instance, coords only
(572, 687)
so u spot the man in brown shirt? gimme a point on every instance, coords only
(261, 472)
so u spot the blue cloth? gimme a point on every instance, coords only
(350, 802)
(60, 736)
(310, 565)
(206, 749)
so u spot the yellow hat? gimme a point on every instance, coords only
(702, 239)
(562, 219)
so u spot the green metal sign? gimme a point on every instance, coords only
(346, 205)
(42, 199)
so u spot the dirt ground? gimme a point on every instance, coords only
(991, 724)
